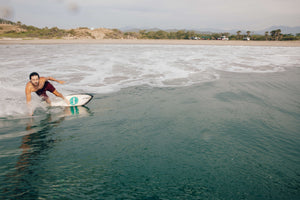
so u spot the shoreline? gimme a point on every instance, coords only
(15, 41)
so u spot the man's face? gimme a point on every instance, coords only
(35, 80)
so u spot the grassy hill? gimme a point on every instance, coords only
(10, 29)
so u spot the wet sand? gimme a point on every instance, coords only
(6, 41)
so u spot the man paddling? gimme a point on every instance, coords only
(40, 85)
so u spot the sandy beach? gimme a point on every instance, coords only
(6, 41)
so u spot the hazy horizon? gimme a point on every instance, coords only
(164, 14)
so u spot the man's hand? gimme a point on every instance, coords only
(28, 99)
(30, 110)
(61, 82)
(67, 101)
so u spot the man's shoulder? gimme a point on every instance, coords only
(43, 79)
(29, 86)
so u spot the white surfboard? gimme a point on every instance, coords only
(74, 100)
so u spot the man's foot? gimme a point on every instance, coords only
(67, 102)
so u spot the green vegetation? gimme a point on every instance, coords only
(178, 35)
(24, 31)
(182, 34)
(115, 34)
(274, 35)
(131, 35)
(44, 33)
(31, 31)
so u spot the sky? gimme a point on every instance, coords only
(163, 14)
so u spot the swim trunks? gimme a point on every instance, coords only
(47, 87)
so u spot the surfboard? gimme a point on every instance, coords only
(74, 100)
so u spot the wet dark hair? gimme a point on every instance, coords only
(33, 74)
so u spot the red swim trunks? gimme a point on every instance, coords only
(47, 87)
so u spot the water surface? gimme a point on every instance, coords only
(178, 127)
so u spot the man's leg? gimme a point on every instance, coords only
(56, 93)
(47, 99)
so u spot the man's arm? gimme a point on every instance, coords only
(53, 79)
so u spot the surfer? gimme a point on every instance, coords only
(40, 85)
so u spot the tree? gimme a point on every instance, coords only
(172, 35)
(248, 33)
(142, 34)
(278, 34)
(267, 35)
(189, 34)
(215, 36)
(238, 35)
(226, 34)
(161, 35)
(273, 34)
(180, 34)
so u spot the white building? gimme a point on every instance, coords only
(223, 38)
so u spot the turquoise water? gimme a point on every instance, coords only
(233, 138)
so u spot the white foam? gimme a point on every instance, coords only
(108, 68)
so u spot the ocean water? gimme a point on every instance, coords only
(166, 122)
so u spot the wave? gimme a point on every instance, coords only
(109, 68)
